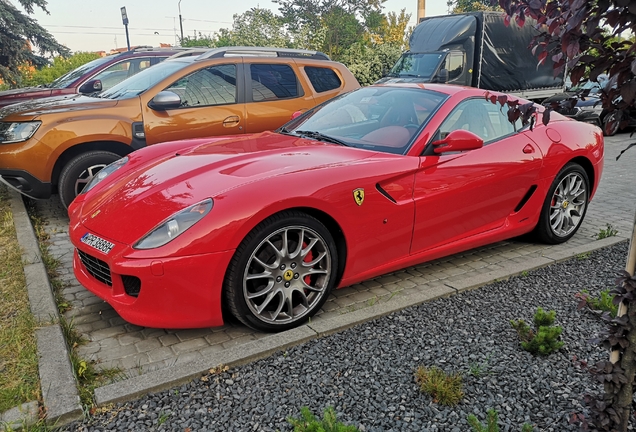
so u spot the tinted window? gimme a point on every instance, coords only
(210, 86)
(487, 120)
(271, 82)
(322, 79)
(144, 80)
(67, 79)
(118, 72)
(454, 65)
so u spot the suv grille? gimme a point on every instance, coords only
(96, 267)
(569, 111)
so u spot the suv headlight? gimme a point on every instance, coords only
(105, 172)
(17, 131)
(175, 225)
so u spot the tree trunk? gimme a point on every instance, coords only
(628, 364)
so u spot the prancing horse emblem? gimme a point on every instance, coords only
(358, 196)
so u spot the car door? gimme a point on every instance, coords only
(467, 193)
(211, 105)
(273, 94)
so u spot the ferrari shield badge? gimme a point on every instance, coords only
(358, 196)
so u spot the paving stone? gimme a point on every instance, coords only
(190, 345)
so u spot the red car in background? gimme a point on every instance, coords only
(94, 76)
(266, 225)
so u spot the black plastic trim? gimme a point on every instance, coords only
(26, 184)
(525, 198)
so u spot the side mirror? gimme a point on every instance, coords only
(92, 86)
(165, 100)
(458, 140)
(442, 76)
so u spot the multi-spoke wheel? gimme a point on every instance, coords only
(565, 205)
(79, 171)
(282, 272)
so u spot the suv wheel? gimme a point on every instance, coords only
(79, 171)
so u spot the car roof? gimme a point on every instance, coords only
(448, 89)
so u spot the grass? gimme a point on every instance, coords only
(19, 382)
(583, 256)
(610, 231)
(443, 388)
(604, 301)
(88, 377)
(479, 369)
(329, 423)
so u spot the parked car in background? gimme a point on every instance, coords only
(266, 225)
(588, 107)
(59, 144)
(94, 76)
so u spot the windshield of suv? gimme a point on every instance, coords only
(417, 65)
(386, 119)
(142, 81)
(66, 80)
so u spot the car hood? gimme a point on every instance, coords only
(32, 109)
(7, 96)
(163, 186)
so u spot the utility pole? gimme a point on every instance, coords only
(421, 10)
(180, 20)
(124, 18)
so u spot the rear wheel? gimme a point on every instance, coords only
(79, 171)
(282, 272)
(565, 205)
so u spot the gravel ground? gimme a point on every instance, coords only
(366, 373)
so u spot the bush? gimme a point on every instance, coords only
(543, 340)
(59, 67)
(309, 423)
(444, 389)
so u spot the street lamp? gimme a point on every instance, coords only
(124, 18)
(180, 20)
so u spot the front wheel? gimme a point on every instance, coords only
(282, 272)
(565, 205)
(79, 171)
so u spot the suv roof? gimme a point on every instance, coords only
(262, 52)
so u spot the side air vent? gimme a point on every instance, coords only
(525, 198)
(385, 193)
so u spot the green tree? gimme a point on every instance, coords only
(23, 40)
(200, 40)
(368, 64)
(259, 27)
(462, 6)
(59, 66)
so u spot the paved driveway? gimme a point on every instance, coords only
(136, 350)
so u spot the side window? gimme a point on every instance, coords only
(114, 74)
(272, 82)
(322, 79)
(455, 65)
(487, 120)
(210, 86)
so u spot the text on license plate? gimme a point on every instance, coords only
(98, 243)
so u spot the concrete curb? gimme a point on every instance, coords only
(57, 379)
(166, 378)
(15, 418)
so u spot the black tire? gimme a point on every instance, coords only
(79, 171)
(610, 124)
(286, 276)
(566, 208)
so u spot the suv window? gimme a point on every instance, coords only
(273, 81)
(322, 79)
(481, 117)
(215, 85)
(118, 72)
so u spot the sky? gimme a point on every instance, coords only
(96, 25)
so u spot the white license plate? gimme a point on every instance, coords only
(100, 244)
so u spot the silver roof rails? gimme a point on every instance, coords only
(189, 52)
(262, 52)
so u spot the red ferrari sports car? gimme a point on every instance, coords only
(264, 226)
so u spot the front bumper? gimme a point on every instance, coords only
(25, 183)
(167, 292)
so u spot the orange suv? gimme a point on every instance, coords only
(58, 144)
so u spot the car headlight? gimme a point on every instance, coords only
(17, 131)
(174, 226)
(105, 172)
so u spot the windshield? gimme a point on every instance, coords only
(142, 81)
(386, 119)
(66, 80)
(417, 65)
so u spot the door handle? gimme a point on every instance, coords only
(528, 149)
(231, 121)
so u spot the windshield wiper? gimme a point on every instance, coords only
(320, 136)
